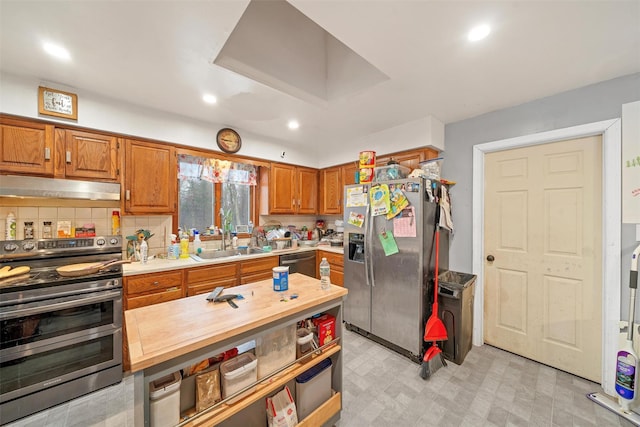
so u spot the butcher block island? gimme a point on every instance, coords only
(167, 338)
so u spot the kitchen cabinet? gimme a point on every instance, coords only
(26, 147)
(87, 155)
(410, 158)
(150, 178)
(336, 262)
(349, 173)
(292, 190)
(201, 280)
(254, 270)
(147, 289)
(331, 191)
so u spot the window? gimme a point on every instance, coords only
(207, 185)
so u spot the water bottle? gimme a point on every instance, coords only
(144, 252)
(325, 271)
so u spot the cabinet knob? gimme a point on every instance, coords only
(490, 258)
(156, 283)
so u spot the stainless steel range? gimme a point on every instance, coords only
(61, 337)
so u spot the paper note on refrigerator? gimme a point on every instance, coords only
(356, 197)
(389, 244)
(380, 202)
(405, 225)
(356, 219)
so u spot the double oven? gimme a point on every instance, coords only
(60, 323)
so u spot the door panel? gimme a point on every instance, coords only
(543, 226)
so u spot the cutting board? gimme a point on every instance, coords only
(7, 272)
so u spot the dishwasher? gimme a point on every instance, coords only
(300, 262)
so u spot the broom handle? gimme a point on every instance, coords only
(436, 283)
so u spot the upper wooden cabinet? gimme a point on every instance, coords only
(87, 155)
(331, 180)
(410, 159)
(292, 190)
(349, 173)
(150, 178)
(26, 147)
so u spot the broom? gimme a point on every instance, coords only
(434, 329)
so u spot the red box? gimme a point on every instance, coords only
(325, 328)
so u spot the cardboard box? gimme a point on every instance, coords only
(325, 328)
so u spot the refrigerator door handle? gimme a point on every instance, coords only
(366, 245)
(369, 247)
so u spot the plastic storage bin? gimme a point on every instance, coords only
(164, 397)
(275, 350)
(390, 172)
(313, 388)
(238, 373)
(456, 310)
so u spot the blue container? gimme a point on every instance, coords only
(280, 278)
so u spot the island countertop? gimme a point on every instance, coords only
(161, 332)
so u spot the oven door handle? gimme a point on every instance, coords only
(39, 307)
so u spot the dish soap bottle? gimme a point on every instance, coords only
(325, 272)
(10, 230)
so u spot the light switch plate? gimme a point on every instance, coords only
(637, 232)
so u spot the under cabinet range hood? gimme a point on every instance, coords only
(31, 186)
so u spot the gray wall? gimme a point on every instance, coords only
(594, 103)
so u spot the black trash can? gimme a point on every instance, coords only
(456, 311)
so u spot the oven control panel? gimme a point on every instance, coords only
(22, 248)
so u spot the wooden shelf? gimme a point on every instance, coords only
(267, 387)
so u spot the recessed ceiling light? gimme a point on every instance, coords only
(293, 124)
(479, 32)
(56, 50)
(209, 99)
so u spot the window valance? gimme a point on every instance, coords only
(215, 170)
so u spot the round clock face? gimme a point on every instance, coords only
(228, 140)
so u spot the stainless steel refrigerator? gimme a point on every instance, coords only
(390, 296)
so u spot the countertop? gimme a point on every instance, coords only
(161, 332)
(158, 265)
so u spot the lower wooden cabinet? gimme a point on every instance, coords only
(254, 270)
(336, 262)
(153, 288)
(201, 280)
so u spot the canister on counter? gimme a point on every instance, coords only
(280, 278)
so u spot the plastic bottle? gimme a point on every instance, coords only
(325, 272)
(144, 252)
(250, 227)
(47, 232)
(197, 243)
(10, 230)
(184, 246)
(115, 223)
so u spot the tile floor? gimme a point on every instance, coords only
(382, 388)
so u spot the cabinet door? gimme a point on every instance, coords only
(147, 289)
(349, 174)
(282, 186)
(151, 181)
(257, 269)
(307, 191)
(331, 191)
(410, 159)
(26, 147)
(201, 280)
(90, 155)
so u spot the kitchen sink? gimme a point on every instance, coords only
(218, 254)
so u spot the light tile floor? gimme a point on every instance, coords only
(381, 388)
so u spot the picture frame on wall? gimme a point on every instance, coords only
(57, 103)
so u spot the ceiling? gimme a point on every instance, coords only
(159, 54)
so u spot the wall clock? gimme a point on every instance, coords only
(53, 102)
(228, 140)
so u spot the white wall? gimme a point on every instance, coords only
(19, 95)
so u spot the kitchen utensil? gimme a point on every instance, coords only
(83, 269)
(228, 298)
(11, 272)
